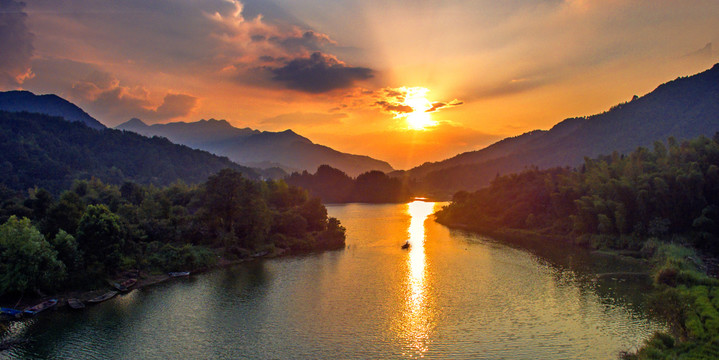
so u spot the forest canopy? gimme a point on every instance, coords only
(96, 230)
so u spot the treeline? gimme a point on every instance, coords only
(612, 201)
(662, 204)
(95, 230)
(49, 152)
(334, 186)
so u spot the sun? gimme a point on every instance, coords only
(419, 118)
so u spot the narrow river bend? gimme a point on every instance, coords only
(450, 295)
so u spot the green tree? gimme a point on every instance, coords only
(27, 260)
(65, 214)
(100, 238)
(68, 252)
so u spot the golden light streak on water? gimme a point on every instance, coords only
(417, 322)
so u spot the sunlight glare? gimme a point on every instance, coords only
(417, 316)
(419, 118)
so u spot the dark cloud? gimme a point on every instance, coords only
(319, 73)
(394, 101)
(394, 107)
(16, 47)
(436, 106)
(299, 43)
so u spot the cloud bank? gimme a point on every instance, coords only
(16, 47)
(319, 73)
(104, 94)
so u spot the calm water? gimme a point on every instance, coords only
(451, 295)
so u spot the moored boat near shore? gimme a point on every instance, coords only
(106, 296)
(129, 283)
(119, 287)
(11, 312)
(76, 304)
(41, 307)
(178, 273)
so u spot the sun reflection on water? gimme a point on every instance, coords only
(416, 324)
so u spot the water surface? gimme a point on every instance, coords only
(451, 295)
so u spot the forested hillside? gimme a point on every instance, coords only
(661, 204)
(50, 104)
(683, 108)
(334, 186)
(49, 152)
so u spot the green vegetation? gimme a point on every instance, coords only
(51, 153)
(96, 230)
(334, 186)
(662, 204)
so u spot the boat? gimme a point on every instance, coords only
(34, 310)
(11, 312)
(406, 245)
(119, 287)
(76, 304)
(178, 273)
(129, 283)
(106, 296)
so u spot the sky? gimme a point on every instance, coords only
(401, 81)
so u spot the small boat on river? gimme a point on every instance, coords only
(119, 287)
(179, 273)
(34, 310)
(106, 296)
(76, 304)
(11, 312)
(129, 283)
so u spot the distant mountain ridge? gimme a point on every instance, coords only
(53, 105)
(194, 134)
(683, 108)
(50, 152)
(285, 149)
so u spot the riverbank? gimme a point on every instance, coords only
(684, 293)
(146, 279)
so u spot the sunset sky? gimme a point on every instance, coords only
(402, 81)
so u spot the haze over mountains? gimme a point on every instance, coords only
(683, 108)
(263, 149)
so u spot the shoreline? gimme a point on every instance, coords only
(528, 239)
(145, 280)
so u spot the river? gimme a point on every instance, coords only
(452, 294)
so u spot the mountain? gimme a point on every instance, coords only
(196, 134)
(17, 101)
(285, 149)
(50, 152)
(683, 108)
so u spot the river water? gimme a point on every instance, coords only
(451, 295)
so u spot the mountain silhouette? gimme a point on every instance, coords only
(683, 108)
(50, 152)
(263, 149)
(17, 101)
